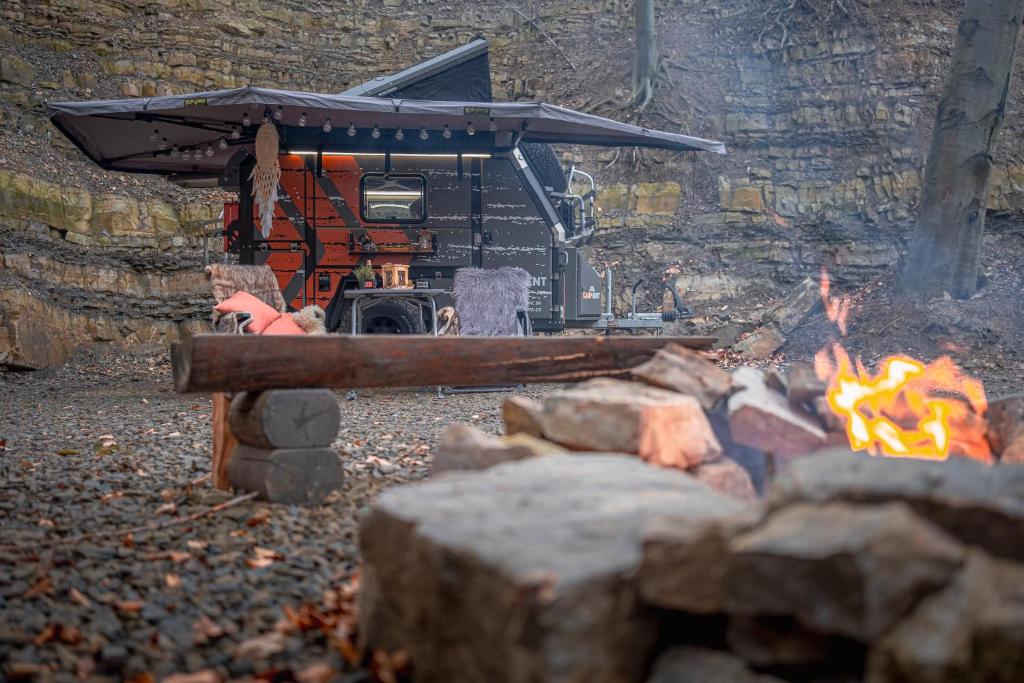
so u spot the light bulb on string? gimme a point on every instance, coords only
(163, 144)
(399, 134)
(302, 119)
(493, 127)
(235, 134)
(278, 114)
(446, 133)
(375, 133)
(327, 126)
(222, 144)
(246, 121)
(209, 150)
(174, 152)
(424, 134)
(351, 130)
(154, 136)
(470, 129)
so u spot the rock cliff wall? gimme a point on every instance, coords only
(827, 127)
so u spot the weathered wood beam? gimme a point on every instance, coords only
(210, 362)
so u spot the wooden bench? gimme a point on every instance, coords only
(275, 416)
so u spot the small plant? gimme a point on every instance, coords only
(364, 273)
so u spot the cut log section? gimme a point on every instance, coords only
(285, 418)
(295, 476)
(210, 362)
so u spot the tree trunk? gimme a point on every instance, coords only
(645, 63)
(945, 249)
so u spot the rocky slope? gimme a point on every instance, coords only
(827, 125)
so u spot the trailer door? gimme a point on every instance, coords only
(513, 233)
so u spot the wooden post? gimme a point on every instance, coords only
(224, 442)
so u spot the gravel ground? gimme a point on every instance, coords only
(103, 445)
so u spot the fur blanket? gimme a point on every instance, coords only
(311, 319)
(260, 281)
(487, 300)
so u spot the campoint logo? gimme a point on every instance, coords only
(590, 294)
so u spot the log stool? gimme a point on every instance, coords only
(284, 449)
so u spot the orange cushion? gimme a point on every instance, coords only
(284, 325)
(244, 302)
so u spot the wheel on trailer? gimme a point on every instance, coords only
(387, 317)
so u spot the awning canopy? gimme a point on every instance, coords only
(155, 135)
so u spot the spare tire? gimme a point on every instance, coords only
(545, 165)
(386, 317)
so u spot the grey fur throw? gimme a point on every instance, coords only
(487, 300)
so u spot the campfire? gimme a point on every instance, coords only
(908, 408)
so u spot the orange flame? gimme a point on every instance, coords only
(909, 408)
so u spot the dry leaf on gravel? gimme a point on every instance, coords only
(315, 673)
(130, 606)
(43, 585)
(67, 451)
(197, 545)
(78, 597)
(259, 518)
(167, 509)
(179, 556)
(204, 676)
(172, 581)
(260, 647)
(205, 630)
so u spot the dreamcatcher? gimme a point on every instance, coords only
(266, 174)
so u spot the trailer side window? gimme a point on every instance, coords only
(391, 198)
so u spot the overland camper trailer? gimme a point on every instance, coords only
(419, 169)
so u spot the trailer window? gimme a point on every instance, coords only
(393, 198)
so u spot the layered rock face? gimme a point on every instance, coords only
(827, 130)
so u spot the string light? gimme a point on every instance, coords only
(222, 144)
(447, 132)
(163, 144)
(424, 134)
(375, 133)
(278, 114)
(493, 127)
(470, 129)
(302, 119)
(154, 136)
(399, 134)
(235, 134)
(209, 150)
(327, 126)
(351, 130)
(246, 121)
(174, 152)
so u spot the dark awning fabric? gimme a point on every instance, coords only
(116, 133)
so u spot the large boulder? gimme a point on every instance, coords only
(972, 631)
(839, 569)
(464, 447)
(980, 505)
(522, 572)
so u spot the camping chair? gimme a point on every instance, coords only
(492, 303)
(227, 279)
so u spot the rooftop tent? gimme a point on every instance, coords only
(461, 75)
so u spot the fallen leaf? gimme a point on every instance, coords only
(258, 518)
(46, 523)
(172, 580)
(197, 545)
(204, 630)
(130, 606)
(78, 597)
(260, 647)
(179, 556)
(3, 445)
(167, 494)
(67, 451)
(43, 585)
(203, 676)
(320, 672)
(68, 635)
(167, 509)
(106, 437)
(238, 533)
(113, 495)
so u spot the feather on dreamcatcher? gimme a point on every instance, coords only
(266, 174)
